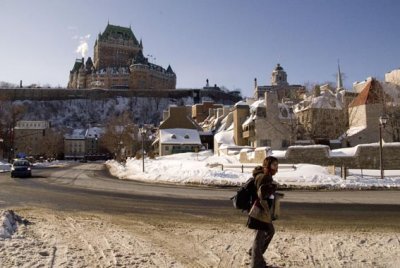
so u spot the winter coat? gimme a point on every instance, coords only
(265, 187)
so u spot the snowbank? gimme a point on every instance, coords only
(205, 168)
(8, 223)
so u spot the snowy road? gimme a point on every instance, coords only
(89, 187)
(84, 217)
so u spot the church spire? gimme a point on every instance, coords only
(339, 81)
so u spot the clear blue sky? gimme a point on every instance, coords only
(230, 42)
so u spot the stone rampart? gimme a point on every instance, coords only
(365, 156)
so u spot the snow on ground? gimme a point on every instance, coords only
(76, 239)
(4, 166)
(206, 168)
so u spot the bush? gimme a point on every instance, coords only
(151, 155)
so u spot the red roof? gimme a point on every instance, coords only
(371, 94)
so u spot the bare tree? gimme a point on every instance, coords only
(120, 135)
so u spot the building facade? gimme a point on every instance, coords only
(32, 138)
(119, 63)
(279, 84)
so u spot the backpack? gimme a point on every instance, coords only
(245, 196)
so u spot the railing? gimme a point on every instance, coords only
(250, 167)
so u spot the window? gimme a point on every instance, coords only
(173, 136)
(166, 148)
(186, 136)
(265, 143)
(285, 144)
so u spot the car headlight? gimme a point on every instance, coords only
(12, 168)
(29, 168)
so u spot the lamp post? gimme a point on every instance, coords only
(142, 131)
(120, 150)
(382, 123)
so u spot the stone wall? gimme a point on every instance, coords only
(365, 156)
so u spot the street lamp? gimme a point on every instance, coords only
(142, 131)
(120, 150)
(382, 123)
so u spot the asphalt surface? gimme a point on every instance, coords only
(89, 187)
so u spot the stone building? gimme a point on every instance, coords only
(201, 111)
(321, 116)
(364, 112)
(393, 77)
(279, 84)
(268, 123)
(75, 144)
(35, 138)
(178, 132)
(119, 63)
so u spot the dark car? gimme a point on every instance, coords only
(21, 168)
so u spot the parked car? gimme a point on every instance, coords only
(21, 168)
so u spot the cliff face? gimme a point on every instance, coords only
(78, 113)
(79, 108)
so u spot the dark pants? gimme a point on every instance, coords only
(260, 245)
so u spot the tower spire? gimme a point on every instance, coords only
(339, 81)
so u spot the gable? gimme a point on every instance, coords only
(371, 94)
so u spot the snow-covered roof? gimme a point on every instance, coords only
(241, 103)
(285, 112)
(353, 131)
(94, 132)
(249, 120)
(77, 134)
(258, 103)
(327, 100)
(179, 136)
(224, 137)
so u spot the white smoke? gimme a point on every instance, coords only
(83, 46)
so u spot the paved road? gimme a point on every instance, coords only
(88, 187)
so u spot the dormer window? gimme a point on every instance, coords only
(186, 136)
(173, 136)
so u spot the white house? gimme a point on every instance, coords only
(178, 140)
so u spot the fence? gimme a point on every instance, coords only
(250, 167)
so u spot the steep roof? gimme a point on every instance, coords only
(371, 94)
(179, 136)
(77, 65)
(179, 118)
(118, 32)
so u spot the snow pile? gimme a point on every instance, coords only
(4, 166)
(8, 223)
(207, 169)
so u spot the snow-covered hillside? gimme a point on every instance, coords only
(78, 113)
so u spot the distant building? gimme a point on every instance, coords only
(75, 144)
(178, 132)
(268, 124)
(84, 144)
(119, 63)
(30, 138)
(322, 117)
(279, 84)
(201, 111)
(393, 77)
(374, 100)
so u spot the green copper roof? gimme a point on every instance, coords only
(118, 32)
